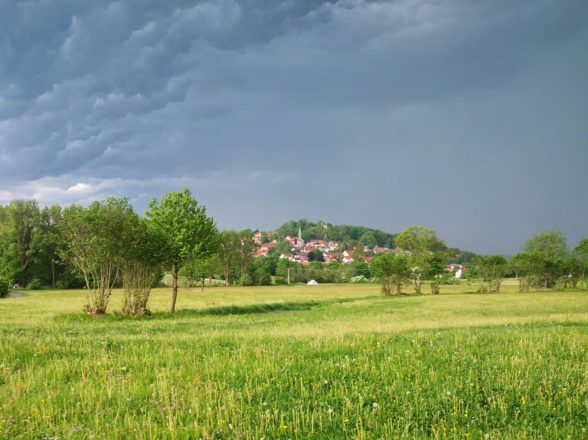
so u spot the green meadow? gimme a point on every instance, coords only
(297, 362)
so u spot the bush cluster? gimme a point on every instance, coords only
(4, 287)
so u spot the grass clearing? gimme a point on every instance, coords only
(331, 361)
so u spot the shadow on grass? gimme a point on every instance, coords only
(248, 309)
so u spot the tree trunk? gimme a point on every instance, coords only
(174, 289)
(417, 284)
(52, 273)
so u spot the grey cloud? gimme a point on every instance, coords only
(383, 107)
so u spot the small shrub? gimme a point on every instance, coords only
(4, 287)
(265, 280)
(62, 284)
(280, 281)
(35, 284)
(359, 279)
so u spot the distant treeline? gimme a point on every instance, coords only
(107, 245)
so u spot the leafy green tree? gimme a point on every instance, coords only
(50, 241)
(360, 268)
(141, 264)
(94, 240)
(434, 270)
(581, 253)
(199, 270)
(492, 269)
(316, 255)
(188, 233)
(572, 271)
(392, 271)
(550, 244)
(421, 243)
(368, 239)
(24, 217)
(550, 251)
(8, 258)
(246, 256)
(418, 239)
(229, 253)
(4, 286)
(524, 265)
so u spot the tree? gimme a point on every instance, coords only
(316, 255)
(550, 244)
(392, 271)
(94, 241)
(50, 219)
(418, 239)
(524, 265)
(24, 217)
(8, 259)
(492, 269)
(434, 270)
(246, 255)
(187, 233)
(141, 264)
(4, 286)
(229, 253)
(581, 253)
(550, 250)
(421, 243)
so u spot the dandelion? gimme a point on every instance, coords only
(375, 405)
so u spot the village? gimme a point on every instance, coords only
(331, 251)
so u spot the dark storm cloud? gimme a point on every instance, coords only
(467, 117)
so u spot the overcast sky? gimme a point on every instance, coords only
(468, 117)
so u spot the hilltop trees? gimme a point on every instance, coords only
(187, 232)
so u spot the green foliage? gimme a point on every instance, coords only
(327, 362)
(392, 271)
(419, 240)
(229, 254)
(492, 269)
(94, 241)
(316, 255)
(350, 235)
(434, 270)
(551, 244)
(186, 232)
(35, 284)
(4, 286)
(141, 264)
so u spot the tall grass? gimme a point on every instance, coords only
(300, 362)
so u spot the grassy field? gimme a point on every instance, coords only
(326, 362)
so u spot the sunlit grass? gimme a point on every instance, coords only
(337, 361)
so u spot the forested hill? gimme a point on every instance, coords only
(352, 235)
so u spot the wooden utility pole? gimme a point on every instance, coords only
(288, 276)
